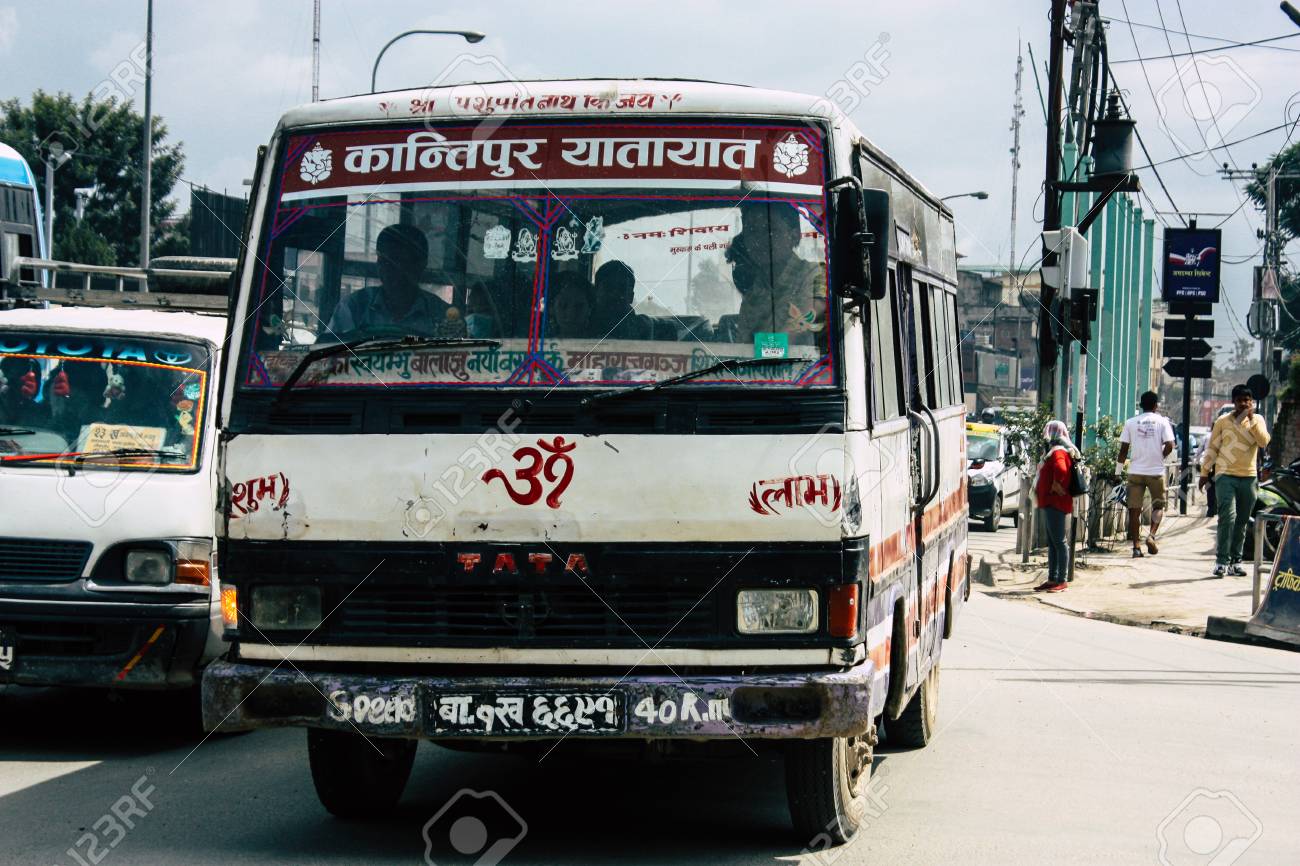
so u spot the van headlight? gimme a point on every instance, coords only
(286, 608)
(980, 481)
(179, 561)
(776, 611)
(152, 567)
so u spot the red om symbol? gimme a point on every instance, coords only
(559, 454)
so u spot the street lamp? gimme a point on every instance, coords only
(1292, 13)
(471, 36)
(979, 194)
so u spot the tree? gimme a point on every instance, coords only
(1244, 354)
(1287, 190)
(104, 139)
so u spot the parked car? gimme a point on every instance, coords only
(993, 487)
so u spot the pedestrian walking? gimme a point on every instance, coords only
(1056, 502)
(1231, 455)
(1148, 438)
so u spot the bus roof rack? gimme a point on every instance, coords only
(171, 282)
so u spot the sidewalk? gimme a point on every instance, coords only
(1172, 590)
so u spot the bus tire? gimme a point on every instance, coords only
(826, 785)
(915, 726)
(356, 776)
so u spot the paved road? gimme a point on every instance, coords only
(1062, 740)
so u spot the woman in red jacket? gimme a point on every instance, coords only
(1055, 503)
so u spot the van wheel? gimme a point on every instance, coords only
(915, 727)
(356, 776)
(826, 785)
(994, 517)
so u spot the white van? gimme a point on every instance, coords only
(107, 496)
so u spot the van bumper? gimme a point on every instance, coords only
(114, 645)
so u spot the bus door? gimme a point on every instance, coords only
(924, 462)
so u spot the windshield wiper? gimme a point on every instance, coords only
(16, 431)
(367, 344)
(79, 457)
(82, 456)
(727, 366)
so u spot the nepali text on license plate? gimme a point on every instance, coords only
(529, 713)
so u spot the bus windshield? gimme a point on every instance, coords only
(589, 254)
(101, 400)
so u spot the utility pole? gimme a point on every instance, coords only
(1264, 319)
(1052, 204)
(1017, 112)
(315, 51)
(146, 203)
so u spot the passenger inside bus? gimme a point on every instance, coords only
(569, 305)
(781, 292)
(397, 306)
(613, 315)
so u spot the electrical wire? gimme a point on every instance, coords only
(1253, 44)
(1152, 91)
(1233, 43)
(1226, 144)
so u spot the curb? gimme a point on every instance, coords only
(1232, 630)
(1150, 625)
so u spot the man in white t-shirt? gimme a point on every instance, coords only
(1148, 438)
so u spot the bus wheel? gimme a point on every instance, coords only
(826, 785)
(915, 727)
(356, 776)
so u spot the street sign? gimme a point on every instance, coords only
(1203, 328)
(1186, 348)
(1191, 308)
(1191, 271)
(1192, 369)
(1259, 386)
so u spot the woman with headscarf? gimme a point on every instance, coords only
(1055, 503)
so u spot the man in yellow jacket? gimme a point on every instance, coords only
(1235, 441)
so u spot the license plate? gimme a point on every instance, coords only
(524, 713)
(8, 650)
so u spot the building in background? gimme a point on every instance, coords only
(999, 336)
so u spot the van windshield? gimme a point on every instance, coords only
(101, 400)
(595, 254)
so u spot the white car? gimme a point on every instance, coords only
(107, 436)
(993, 487)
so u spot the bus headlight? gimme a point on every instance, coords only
(776, 611)
(286, 608)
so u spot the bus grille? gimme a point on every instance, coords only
(39, 559)
(575, 614)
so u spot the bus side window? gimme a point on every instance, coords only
(882, 357)
(953, 341)
(922, 327)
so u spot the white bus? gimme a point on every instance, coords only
(590, 410)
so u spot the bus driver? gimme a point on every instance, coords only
(397, 303)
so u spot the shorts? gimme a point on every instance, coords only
(1139, 483)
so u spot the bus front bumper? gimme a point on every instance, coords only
(786, 704)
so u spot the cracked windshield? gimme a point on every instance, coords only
(84, 397)
(570, 255)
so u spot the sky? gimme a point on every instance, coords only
(224, 72)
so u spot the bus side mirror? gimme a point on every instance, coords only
(852, 256)
(862, 223)
(879, 224)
